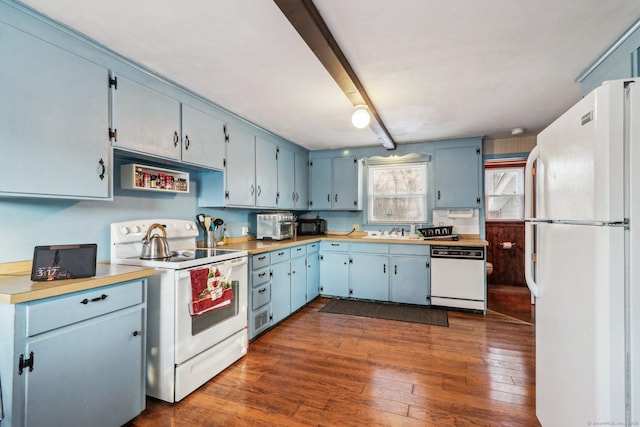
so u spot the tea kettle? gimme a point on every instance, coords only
(156, 246)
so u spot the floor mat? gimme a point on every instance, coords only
(389, 311)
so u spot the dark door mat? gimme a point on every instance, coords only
(389, 311)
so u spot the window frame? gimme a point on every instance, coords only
(407, 161)
(503, 164)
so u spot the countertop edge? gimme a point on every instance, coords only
(19, 288)
(254, 247)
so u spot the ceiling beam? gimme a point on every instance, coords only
(306, 19)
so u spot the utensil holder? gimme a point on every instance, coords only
(210, 239)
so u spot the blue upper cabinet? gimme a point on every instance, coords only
(457, 177)
(203, 138)
(334, 184)
(145, 121)
(240, 171)
(53, 121)
(266, 164)
(620, 61)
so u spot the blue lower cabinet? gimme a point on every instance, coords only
(75, 363)
(369, 276)
(313, 276)
(280, 292)
(298, 283)
(334, 274)
(409, 281)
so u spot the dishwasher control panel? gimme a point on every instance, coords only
(460, 252)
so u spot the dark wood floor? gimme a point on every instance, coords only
(511, 300)
(326, 369)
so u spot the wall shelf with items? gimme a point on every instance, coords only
(134, 176)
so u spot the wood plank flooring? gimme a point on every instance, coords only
(327, 369)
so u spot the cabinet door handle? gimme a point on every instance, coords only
(259, 190)
(336, 198)
(384, 268)
(187, 143)
(100, 298)
(252, 189)
(176, 138)
(104, 169)
(395, 269)
(328, 197)
(438, 194)
(136, 333)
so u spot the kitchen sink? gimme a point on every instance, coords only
(388, 236)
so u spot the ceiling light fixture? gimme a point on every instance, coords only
(517, 131)
(361, 116)
(306, 19)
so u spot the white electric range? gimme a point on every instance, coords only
(185, 350)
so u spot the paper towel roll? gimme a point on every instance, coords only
(506, 245)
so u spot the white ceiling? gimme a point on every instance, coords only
(434, 69)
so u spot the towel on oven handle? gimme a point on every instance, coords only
(210, 288)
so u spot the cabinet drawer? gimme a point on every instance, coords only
(298, 251)
(260, 260)
(409, 249)
(258, 277)
(261, 295)
(313, 248)
(334, 246)
(370, 248)
(52, 313)
(281, 255)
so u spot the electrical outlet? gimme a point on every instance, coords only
(356, 227)
(245, 231)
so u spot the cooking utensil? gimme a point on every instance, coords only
(156, 246)
(200, 218)
(218, 222)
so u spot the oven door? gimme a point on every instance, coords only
(195, 334)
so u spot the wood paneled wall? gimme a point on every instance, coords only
(508, 264)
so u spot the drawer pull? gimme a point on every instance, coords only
(262, 274)
(262, 290)
(261, 258)
(100, 298)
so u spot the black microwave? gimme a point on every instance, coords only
(308, 227)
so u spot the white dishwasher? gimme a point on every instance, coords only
(458, 277)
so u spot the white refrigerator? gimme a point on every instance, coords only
(583, 260)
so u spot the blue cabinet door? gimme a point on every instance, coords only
(458, 178)
(266, 165)
(320, 184)
(313, 276)
(286, 179)
(280, 291)
(53, 121)
(345, 183)
(240, 172)
(202, 138)
(301, 180)
(369, 276)
(96, 364)
(410, 279)
(298, 283)
(334, 274)
(145, 121)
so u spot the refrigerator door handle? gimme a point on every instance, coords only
(528, 259)
(528, 183)
(528, 225)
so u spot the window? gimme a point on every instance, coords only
(397, 192)
(504, 192)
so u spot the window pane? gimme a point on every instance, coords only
(504, 192)
(397, 194)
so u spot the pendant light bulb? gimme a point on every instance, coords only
(361, 116)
